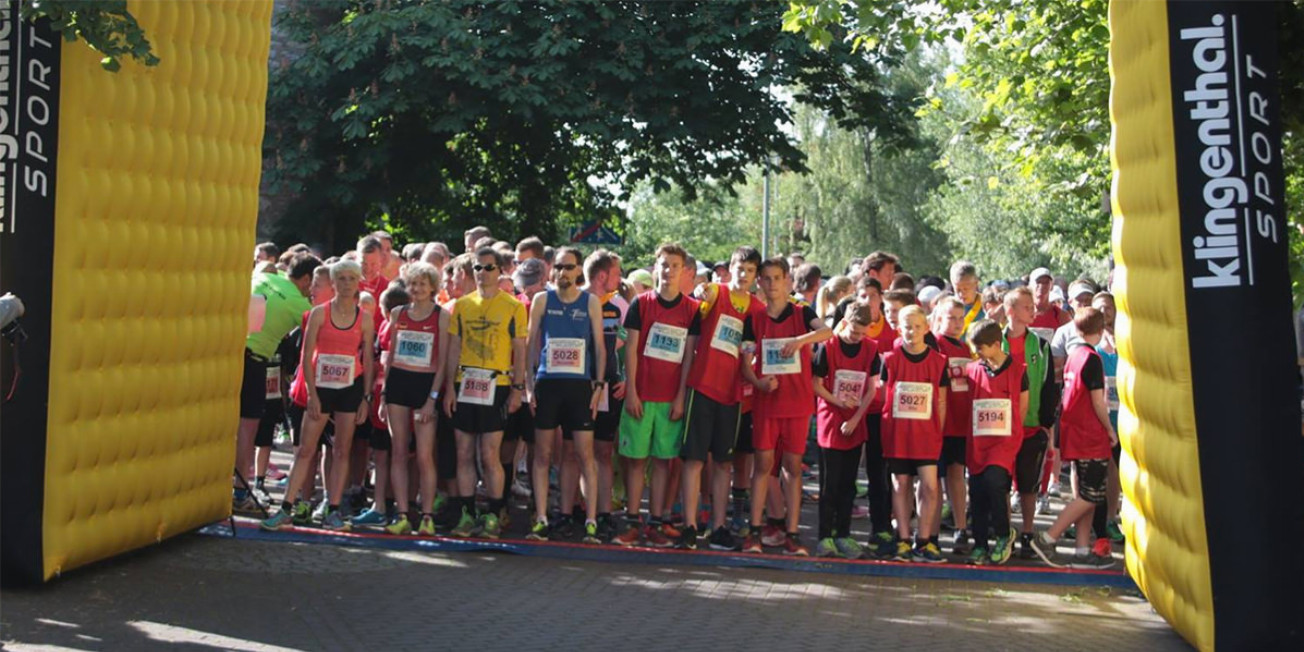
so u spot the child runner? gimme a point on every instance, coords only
(846, 371)
(1086, 437)
(948, 322)
(785, 397)
(1108, 350)
(915, 380)
(998, 393)
(662, 327)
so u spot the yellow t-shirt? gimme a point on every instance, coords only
(487, 328)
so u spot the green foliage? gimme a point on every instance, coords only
(532, 116)
(104, 25)
(710, 225)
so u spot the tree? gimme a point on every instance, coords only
(527, 116)
(104, 25)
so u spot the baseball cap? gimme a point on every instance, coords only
(1038, 273)
(1077, 288)
(929, 293)
(528, 272)
(703, 269)
(641, 276)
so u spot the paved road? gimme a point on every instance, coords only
(205, 593)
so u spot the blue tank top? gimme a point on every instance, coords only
(567, 350)
(1110, 362)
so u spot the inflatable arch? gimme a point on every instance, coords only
(1210, 419)
(130, 200)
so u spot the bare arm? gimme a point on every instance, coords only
(600, 348)
(1101, 407)
(534, 341)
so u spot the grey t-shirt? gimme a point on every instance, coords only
(1066, 336)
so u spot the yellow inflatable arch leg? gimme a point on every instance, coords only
(1210, 419)
(129, 207)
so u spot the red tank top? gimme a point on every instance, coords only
(995, 435)
(1049, 319)
(715, 366)
(660, 344)
(413, 344)
(846, 375)
(958, 358)
(885, 339)
(795, 396)
(337, 361)
(1082, 435)
(912, 427)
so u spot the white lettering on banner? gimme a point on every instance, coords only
(26, 64)
(1217, 109)
(728, 335)
(335, 371)
(913, 401)
(773, 362)
(666, 342)
(415, 348)
(959, 381)
(477, 386)
(565, 355)
(849, 385)
(991, 417)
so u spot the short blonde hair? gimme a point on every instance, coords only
(911, 309)
(418, 269)
(345, 265)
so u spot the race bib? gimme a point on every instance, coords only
(666, 342)
(991, 417)
(773, 363)
(849, 385)
(477, 386)
(1043, 333)
(959, 381)
(728, 335)
(335, 371)
(565, 355)
(415, 348)
(913, 401)
(1111, 392)
(273, 382)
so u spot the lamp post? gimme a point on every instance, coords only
(765, 216)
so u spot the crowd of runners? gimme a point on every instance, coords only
(443, 381)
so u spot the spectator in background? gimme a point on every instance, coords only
(266, 252)
(473, 236)
(826, 301)
(640, 280)
(720, 273)
(882, 267)
(806, 282)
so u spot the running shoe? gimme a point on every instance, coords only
(1091, 561)
(884, 545)
(372, 517)
(521, 488)
(244, 502)
(319, 514)
(927, 554)
(739, 525)
(1044, 546)
(465, 526)
(772, 537)
(398, 527)
(1043, 505)
(962, 545)
(1103, 548)
(281, 520)
(902, 551)
(564, 528)
(848, 548)
(687, 539)
(335, 521)
(655, 536)
(489, 526)
(1114, 532)
(427, 528)
(631, 536)
(1071, 532)
(606, 527)
(860, 511)
(538, 531)
(792, 546)
(591, 533)
(753, 543)
(302, 513)
(948, 519)
(722, 539)
(671, 531)
(1025, 546)
(980, 556)
(440, 501)
(274, 472)
(1004, 547)
(826, 548)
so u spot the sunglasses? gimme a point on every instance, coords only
(484, 268)
(566, 267)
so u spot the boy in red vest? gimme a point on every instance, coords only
(782, 338)
(846, 370)
(948, 325)
(915, 380)
(1086, 440)
(998, 395)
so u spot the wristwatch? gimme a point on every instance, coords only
(434, 394)
(520, 387)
